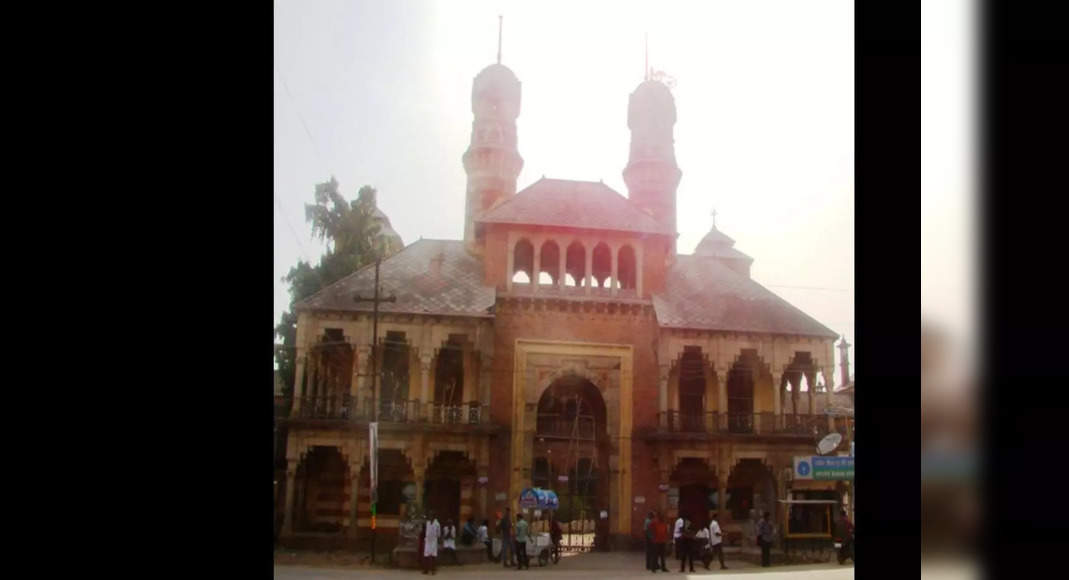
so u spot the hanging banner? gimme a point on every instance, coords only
(373, 443)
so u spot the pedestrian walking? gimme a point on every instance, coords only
(764, 539)
(686, 546)
(716, 542)
(648, 534)
(846, 552)
(521, 543)
(677, 532)
(505, 531)
(432, 530)
(484, 537)
(701, 545)
(660, 542)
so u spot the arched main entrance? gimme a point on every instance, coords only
(442, 492)
(321, 491)
(697, 490)
(751, 491)
(571, 456)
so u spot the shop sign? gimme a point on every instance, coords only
(824, 468)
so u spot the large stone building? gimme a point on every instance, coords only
(562, 343)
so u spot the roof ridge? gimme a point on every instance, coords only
(354, 273)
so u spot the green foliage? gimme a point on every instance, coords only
(355, 234)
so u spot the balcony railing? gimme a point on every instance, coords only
(340, 407)
(755, 423)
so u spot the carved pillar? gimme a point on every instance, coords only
(589, 267)
(298, 387)
(511, 265)
(722, 397)
(777, 404)
(425, 401)
(363, 368)
(537, 268)
(662, 394)
(562, 253)
(639, 271)
(722, 474)
(291, 484)
(355, 464)
(486, 367)
(614, 281)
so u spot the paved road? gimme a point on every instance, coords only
(596, 566)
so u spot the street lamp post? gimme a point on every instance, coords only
(375, 300)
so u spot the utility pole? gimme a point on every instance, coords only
(375, 300)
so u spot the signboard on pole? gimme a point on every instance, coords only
(824, 468)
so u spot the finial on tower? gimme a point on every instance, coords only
(646, 71)
(714, 217)
(499, 24)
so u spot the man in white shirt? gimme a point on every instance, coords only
(701, 546)
(716, 540)
(432, 530)
(676, 535)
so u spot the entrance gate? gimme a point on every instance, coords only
(570, 459)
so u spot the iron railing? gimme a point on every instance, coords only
(756, 423)
(340, 407)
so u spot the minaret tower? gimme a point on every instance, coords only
(652, 175)
(492, 161)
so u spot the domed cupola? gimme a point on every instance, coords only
(717, 245)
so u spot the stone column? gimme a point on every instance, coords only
(638, 271)
(589, 267)
(615, 280)
(355, 465)
(562, 253)
(363, 368)
(777, 386)
(418, 472)
(484, 508)
(536, 270)
(722, 397)
(722, 474)
(662, 395)
(486, 367)
(298, 386)
(425, 401)
(291, 484)
(511, 264)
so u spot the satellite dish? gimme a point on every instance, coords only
(829, 443)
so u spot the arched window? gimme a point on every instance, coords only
(575, 265)
(626, 268)
(549, 263)
(601, 265)
(523, 262)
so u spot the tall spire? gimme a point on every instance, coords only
(499, 24)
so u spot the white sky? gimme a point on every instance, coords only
(948, 203)
(378, 93)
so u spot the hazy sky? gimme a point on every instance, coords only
(379, 93)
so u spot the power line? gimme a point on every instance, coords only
(808, 288)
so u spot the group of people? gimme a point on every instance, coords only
(514, 538)
(435, 534)
(689, 541)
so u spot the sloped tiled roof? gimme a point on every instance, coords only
(702, 293)
(456, 290)
(575, 204)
